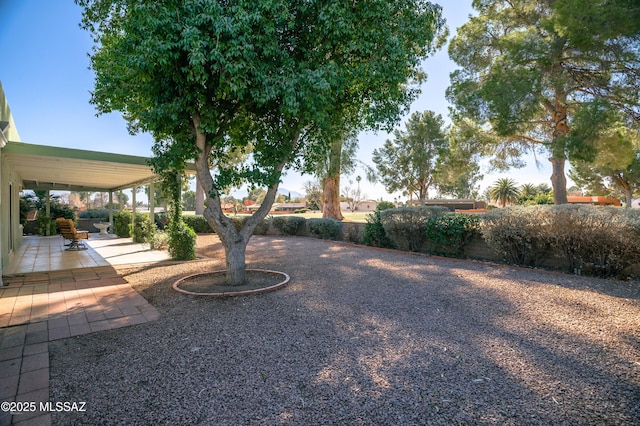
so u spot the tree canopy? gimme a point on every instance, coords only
(504, 191)
(411, 160)
(529, 67)
(616, 168)
(213, 77)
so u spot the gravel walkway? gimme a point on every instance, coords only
(362, 337)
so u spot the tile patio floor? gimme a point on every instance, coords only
(41, 254)
(51, 294)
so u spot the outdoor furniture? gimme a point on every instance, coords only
(103, 226)
(68, 231)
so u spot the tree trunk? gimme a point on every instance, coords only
(331, 183)
(234, 241)
(558, 181)
(628, 196)
(423, 190)
(558, 148)
(623, 183)
(331, 198)
(199, 197)
(235, 255)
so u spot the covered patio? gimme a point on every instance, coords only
(51, 168)
(40, 167)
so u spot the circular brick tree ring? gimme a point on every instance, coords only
(228, 291)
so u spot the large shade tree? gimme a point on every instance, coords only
(339, 160)
(213, 77)
(459, 172)
(615, 170)
(529, 66)
(411, 161)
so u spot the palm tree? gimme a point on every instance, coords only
(528, 190)
(505, 191)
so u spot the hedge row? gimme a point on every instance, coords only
(285, 225)
(597, 241)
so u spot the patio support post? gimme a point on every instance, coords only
(133, 207)
(152, 202)
(111, 212)
(47, 210)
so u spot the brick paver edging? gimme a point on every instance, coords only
(38, 308)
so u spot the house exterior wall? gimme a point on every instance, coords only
(10, 187)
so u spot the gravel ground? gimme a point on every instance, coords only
(362, 337)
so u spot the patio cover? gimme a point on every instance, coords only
(65, 169)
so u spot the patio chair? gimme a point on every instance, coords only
(69, 232)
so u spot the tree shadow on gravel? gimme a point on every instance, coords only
(362, 337)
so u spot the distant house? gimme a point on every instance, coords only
(279, 207)
(461, 204)
(228, 207)
(288, 207)
(595, 201)
(364, 206)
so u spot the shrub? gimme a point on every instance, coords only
(263, 227)
(449, 234)
(289, 225)
(143, 229)
(519, 234)
(599, 241)
(327, 229)
(57, 210)
(238, 221)
(300, 211)
(122, 225)
(182, 242)
(406, 226)
(94, 214)
(385, 205)
(373, 234)
(162, 220)
(198, 223)
(46, 222)
(351, 232)
(159, 241)
(60, 210)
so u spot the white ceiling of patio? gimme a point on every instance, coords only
(65, 169)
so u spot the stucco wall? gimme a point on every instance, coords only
(10, 186)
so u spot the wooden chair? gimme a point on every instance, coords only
(69, 232)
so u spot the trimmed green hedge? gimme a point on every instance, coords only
(449, 234)
(598, 241)
(182, 242)
(143, 229)
(373, 234)
(198, 223)
(406, 226)
(289, 225)
(122, 225)
(327, 229)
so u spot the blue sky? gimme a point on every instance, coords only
(47, 82)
